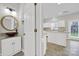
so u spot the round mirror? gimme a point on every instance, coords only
(9, 23)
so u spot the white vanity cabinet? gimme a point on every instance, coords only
(10, 46)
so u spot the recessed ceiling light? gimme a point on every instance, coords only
(14, 13)
(63, 12)
(58, 3)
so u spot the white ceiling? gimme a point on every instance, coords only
(53, 9)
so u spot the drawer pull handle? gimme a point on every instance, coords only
(13, 43)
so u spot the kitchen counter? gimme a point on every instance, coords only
(56, 37)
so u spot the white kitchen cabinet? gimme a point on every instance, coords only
(10, 46)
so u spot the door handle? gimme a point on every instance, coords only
(13, 43)
(24, 34)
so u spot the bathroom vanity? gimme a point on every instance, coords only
(10, 46)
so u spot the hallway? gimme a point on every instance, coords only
(72, 49)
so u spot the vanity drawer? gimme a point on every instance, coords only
(7, 48)
(11, 46)
(16, 45)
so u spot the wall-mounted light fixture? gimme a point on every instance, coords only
(59, 3)
(10, 9)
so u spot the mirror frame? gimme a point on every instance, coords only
(7, 28)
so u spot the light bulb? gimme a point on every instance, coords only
(13, 13)
(6, 11)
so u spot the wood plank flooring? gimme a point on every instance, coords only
(72, 49)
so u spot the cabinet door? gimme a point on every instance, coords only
(7, 48)
(16, 44)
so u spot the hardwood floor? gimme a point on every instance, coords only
(72, 49)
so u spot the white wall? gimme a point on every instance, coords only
(57, 38)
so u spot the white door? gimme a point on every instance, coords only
(29, 25)
(32, 42)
